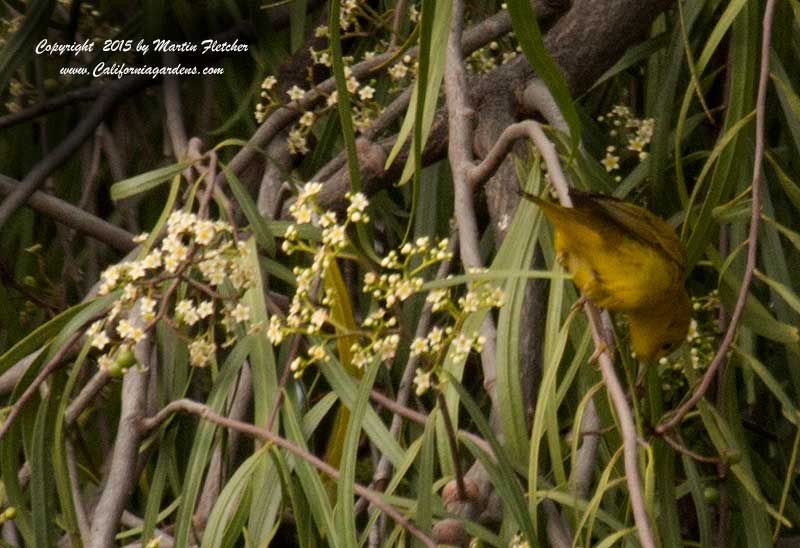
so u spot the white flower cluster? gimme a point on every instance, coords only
(633, 135)
(214, 271)
(310, 309)
(364, 106)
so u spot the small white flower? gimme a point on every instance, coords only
(106, 362)
(94, 329)
(296, 93)
(319, 317)
(129, 292)
(332, 98)
(307, 119)
(241, 313)
(100, 340)
(201, 352)
(137, 270)
(317, 353)
(269, 82)
(152, 260)
(610, 162)
(204, 232)
(147, 308)
(296, 142)
(275, 330)
(367, 92)
(124, 329)
(422, 380)
(419, 346)
(205, 309)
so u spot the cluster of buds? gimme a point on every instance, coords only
(487, 58)
(213, 271)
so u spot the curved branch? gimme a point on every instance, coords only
(752, 237)
(204, 412)
(481, 173)
(45, 372)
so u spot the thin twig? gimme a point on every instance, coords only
(482, 172)
(75, 491)
(677, 446)
(204, 412)
(86, 396)
(45, 372)
(628, 427)
(173, 109)
(752, 238)
(422, 419)
(52, 104)
(397, 21)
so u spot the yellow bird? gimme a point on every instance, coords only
(625, 259)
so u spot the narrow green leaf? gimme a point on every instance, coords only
(313, 488)
(701, 505)
(786, 294)
(146, 181)
(790, 411)
(42, 488)
(344, 387)
(427, 460)
(499, 468)
(204, 437)
(229, 499)
(344, 513)
(426, 89)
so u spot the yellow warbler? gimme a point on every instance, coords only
(625, 259)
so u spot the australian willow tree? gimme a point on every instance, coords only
(283, 289)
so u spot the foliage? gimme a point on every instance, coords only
(259, 292)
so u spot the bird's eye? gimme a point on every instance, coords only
(666, 347)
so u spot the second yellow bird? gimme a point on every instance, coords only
(625, 259)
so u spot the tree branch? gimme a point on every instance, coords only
(73, 217)
(106, 101)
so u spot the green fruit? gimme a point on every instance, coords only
(711, 494)
(124, 359)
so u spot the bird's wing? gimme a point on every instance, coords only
(637, 222)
